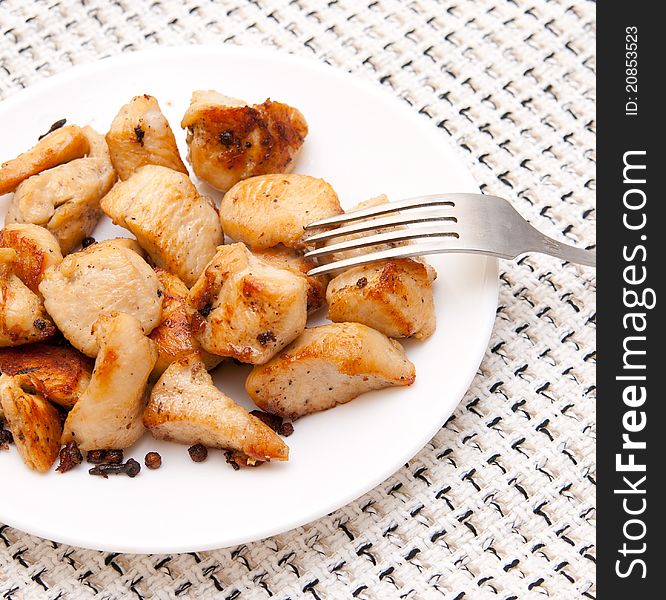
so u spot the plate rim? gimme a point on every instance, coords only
(490, 273)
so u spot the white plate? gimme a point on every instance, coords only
(364, 142)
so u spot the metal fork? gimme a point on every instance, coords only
(462, 223)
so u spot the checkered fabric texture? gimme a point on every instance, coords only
(501, 503)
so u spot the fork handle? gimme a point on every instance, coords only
(547, 245)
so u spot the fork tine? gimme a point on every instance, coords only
(383, 238)
(376, 224)
(418, 249)
(387, 208)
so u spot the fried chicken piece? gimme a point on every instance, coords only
(104, 278)
(33, 421)
(186, 407)
(229, 140)
(58, 147)
(36, 250)
(269, 210)
(178, 228)
(108, 414)
(22, 315)
(294, 261)
(392, 296)
(173, 335)
(58, 373)
(65, 199)
(246, 308)
(140, 135)
(326, 366)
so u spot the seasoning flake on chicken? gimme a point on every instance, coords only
(326, 366)
(140, 135)
(59, 373)
(65, 199)
(392, 296)
(186, 407)
(36, 250)
(268, 210)
(178, 228)
(33, 421)
(104, 278)
(109, 413)
(246, 308)
(173, 335)
(58, 147)
(22, 316)
(229, 140)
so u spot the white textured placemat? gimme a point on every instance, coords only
(501, 503)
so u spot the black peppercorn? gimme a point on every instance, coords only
(198, 452)
(226, 138)
(153, 460)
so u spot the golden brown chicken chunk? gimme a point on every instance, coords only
(140, 135)
(186, 407)
(59, 373)
(229, 140)
(108, 414)
(36, 250)
(104, 278)
(392, 296)
(327, 366)
(178, 228)
(33, 421)
(246, 308)
(269, 210)
(58, 147)
(65, 199)
(173, 335)
(22, 315)
(294, 261)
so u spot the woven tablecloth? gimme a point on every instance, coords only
(501, 503)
